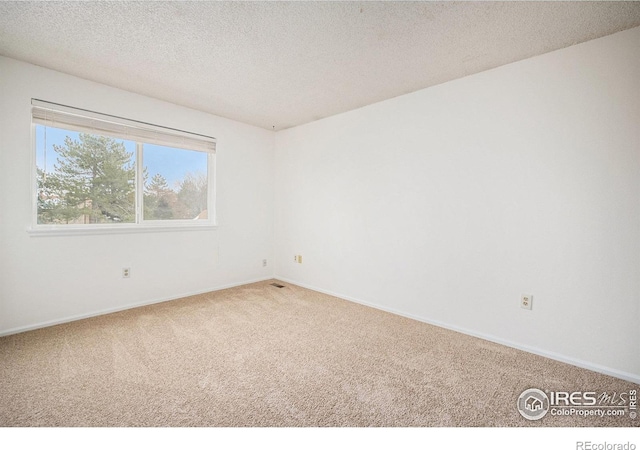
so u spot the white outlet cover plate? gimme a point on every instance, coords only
(526, 301)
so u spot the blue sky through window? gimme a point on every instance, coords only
(47, 137)
(173, 164)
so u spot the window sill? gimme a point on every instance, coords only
(70, 230)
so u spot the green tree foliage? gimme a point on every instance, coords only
(52, 207)
(192, 196)
(93, 182)
(159, 199)
(188, 202)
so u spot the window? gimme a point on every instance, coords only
(95, 171)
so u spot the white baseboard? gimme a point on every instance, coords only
(634, 378)
(101, 312)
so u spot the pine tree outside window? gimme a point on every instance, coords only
(100, 172)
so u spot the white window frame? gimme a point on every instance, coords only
(140, 133)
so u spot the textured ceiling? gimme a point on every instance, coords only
(281, 64)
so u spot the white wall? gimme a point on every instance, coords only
(448, 203)
(49, 279)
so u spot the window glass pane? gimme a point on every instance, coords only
(84, 178)
(175, 183)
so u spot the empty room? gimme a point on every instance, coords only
(320, 214)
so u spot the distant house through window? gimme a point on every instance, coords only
(96, 170)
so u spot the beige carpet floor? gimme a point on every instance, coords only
(257, 355)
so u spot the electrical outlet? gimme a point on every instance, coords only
(526, 301)
(264, 263)
(126, 272)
